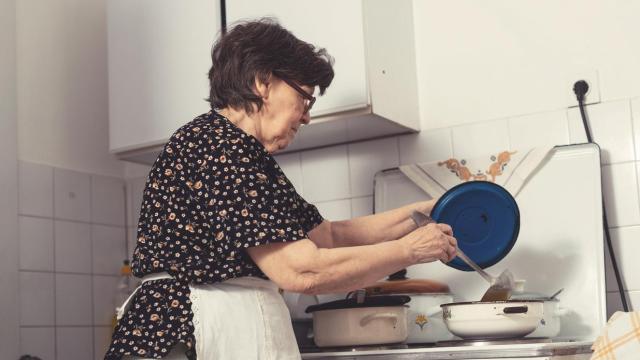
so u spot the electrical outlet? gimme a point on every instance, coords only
(592, 96)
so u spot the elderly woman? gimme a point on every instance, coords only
(222, 228)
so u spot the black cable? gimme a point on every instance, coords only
(580, 88)
(223, 17)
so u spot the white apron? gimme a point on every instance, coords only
(242, 318)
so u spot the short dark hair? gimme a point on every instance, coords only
(261, 48)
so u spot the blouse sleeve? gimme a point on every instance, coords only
(253, 203)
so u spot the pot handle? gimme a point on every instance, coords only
(393, 317)
(516, 310)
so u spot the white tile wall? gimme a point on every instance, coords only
(539, 129)
(131, 241)
(577, 134)
(101, 340)
(335, 210)
(36, 243)
(107, 200)
(325, 174)
(65, 304)
(35, 189)
(74, 343)
(104, 300)
(626, 242)
(72, 195)
(73, 247)
(109, 249)
(135, 189)
(426, 146)
(366, 159)
(73, 300)
(610, 125)
(38, 341)
(621, 194)
(37, 299)
(292, 167)
(480, 139)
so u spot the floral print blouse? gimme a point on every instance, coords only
(213, 192)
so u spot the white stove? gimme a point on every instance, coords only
(560, 245)
(532, 349)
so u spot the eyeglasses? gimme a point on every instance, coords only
(308, 99)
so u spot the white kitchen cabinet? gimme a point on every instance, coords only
(159, 56)
(335, 25)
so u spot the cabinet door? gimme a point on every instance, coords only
(332, 24)
(159, 56)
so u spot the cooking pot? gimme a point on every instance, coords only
(551, 321)
(424, 319)
(494, 319)
(352, 321)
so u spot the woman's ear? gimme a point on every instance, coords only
(262, 85)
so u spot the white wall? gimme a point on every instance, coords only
(480, 60)
(62, 85)
(9, 181)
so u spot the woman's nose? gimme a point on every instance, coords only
(306, 118)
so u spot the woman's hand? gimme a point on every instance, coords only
(426, 206)
(430, 243)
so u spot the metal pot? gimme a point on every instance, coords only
(349, 322)
(493, 320)
(551, 321)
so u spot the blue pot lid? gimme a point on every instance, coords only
(485, 221)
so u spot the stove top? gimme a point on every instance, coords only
(380, 347)
(487, 342)
(456, 349)
(449, 343)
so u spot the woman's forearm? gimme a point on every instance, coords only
(373, 229)
(350, 268)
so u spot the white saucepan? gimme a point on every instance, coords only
(551, 322)
(492, 320)
(376, 320)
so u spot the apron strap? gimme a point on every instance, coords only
(120, 310)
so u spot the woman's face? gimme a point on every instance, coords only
(284, 113)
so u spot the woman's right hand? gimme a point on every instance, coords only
(430, 243)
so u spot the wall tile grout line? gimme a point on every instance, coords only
(91, 278)
(348, 149)
(451, 145)
(635, 154)
(67, 272)
(55, 276)
(71, 220)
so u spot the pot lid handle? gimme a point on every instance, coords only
(398, 275)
